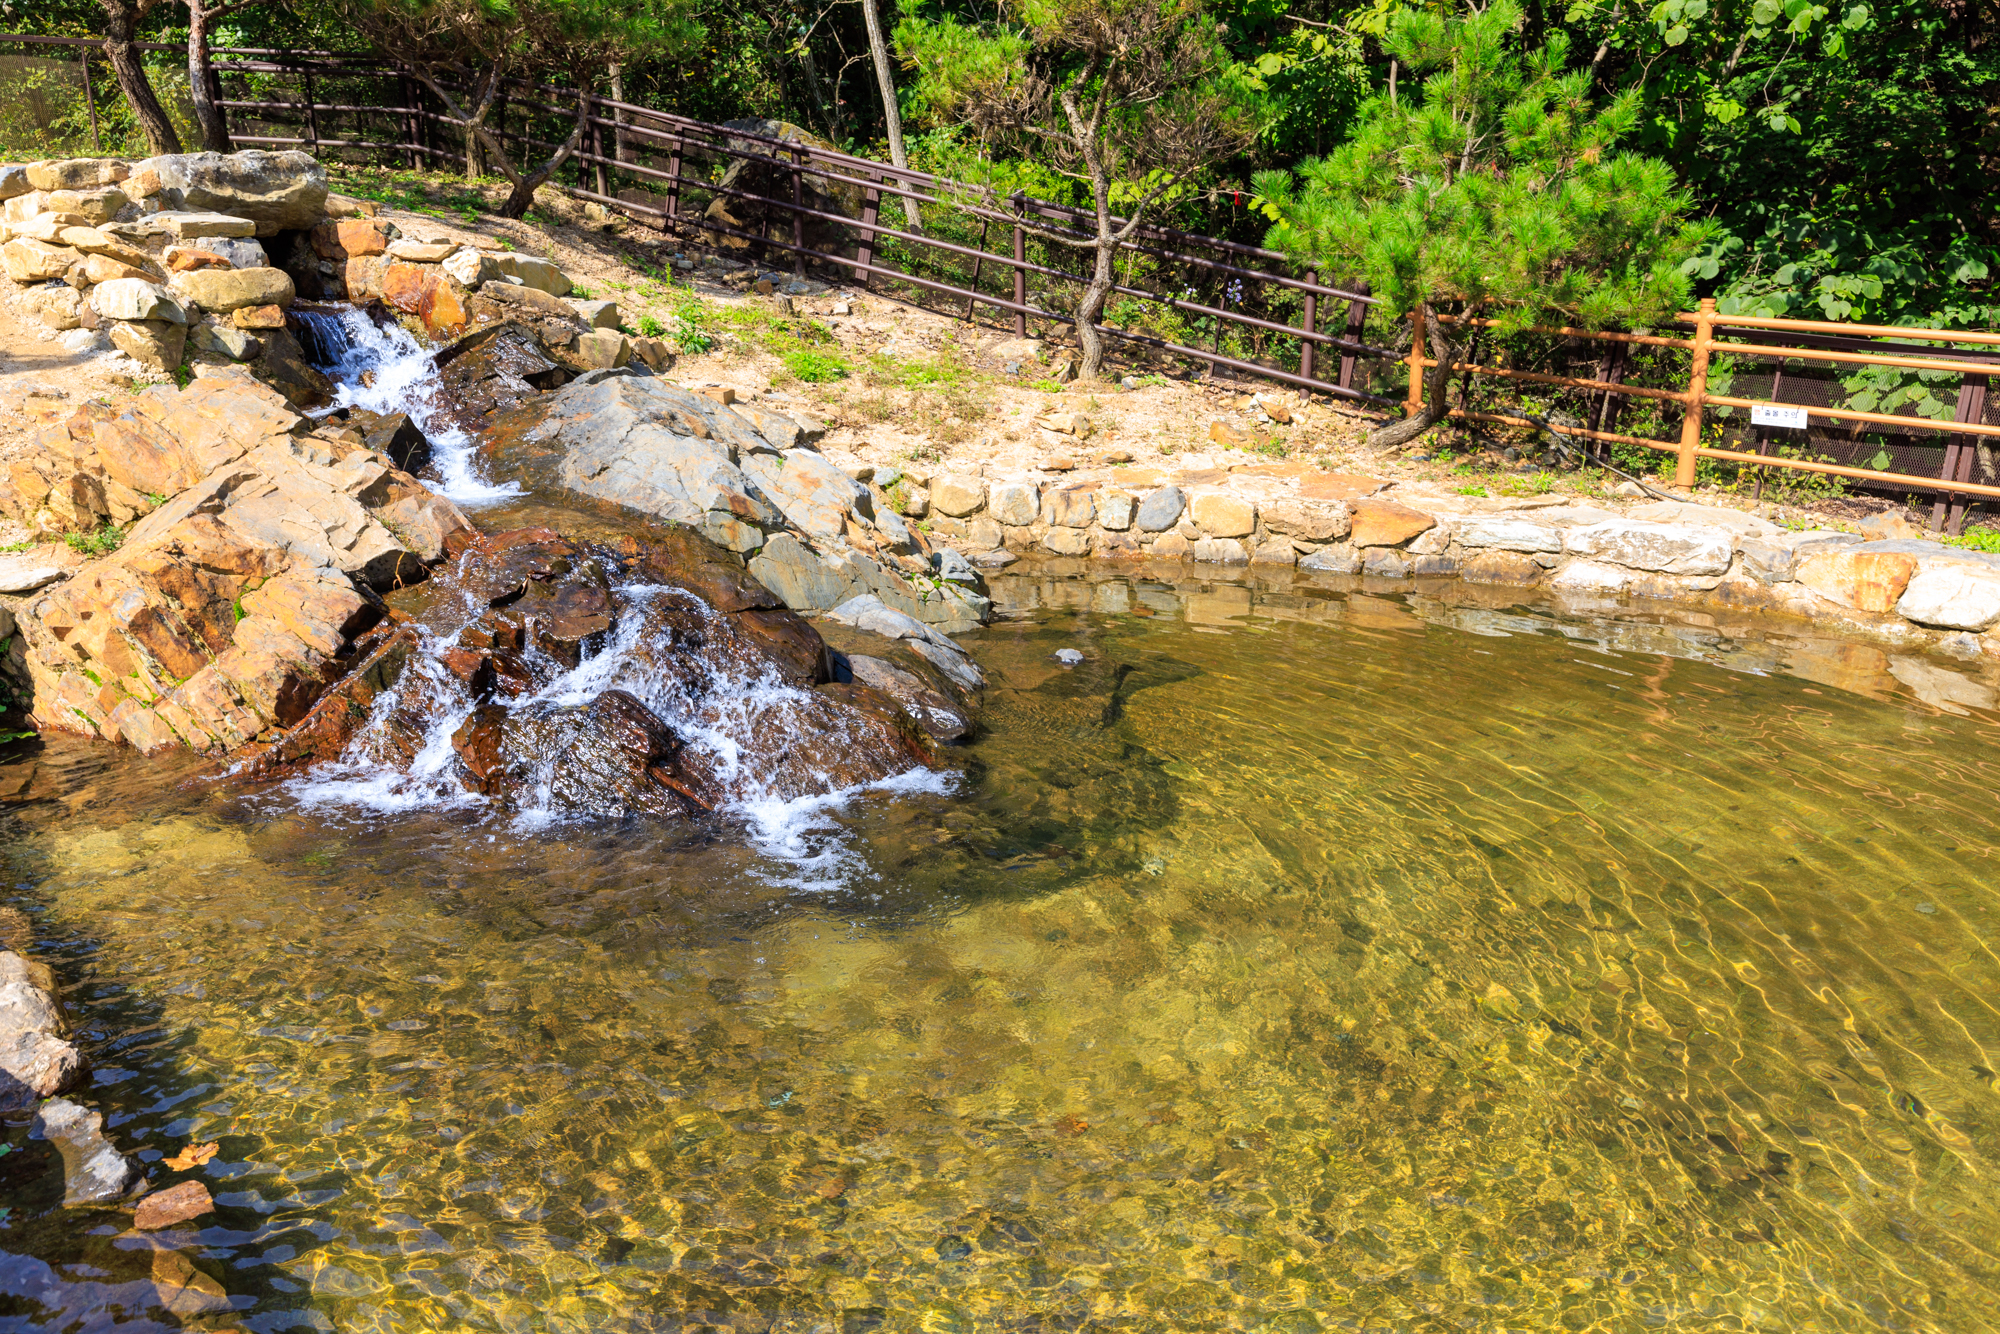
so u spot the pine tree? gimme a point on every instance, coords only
(1496, 193)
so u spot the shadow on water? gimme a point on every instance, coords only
(1305, 957)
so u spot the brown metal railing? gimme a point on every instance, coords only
(1814, 341)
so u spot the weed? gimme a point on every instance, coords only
(1479, 491)
(1046, 386)
(650, 327)
(24, 545)
(183, 376)
(581, 293)
(814, 367)
(1975, 539)
(100, 543)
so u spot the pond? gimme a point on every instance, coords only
(1302, 959)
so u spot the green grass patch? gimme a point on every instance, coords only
(814, 367)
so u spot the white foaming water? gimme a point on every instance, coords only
(349, 345)
(740, 728)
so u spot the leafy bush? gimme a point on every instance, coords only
(651, 328)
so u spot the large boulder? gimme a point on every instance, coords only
(751, 169)
(807, 528)
(225, 290)
(277, 191)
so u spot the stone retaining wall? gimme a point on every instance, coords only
(1288, 515)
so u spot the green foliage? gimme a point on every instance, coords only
(650, 327)
(1498, 190)
(1975, 539)
(102, 542)
(814, 367)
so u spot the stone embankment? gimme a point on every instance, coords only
(199, 258)
(1286, 516)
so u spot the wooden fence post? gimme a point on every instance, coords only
(90, 99)
(1697, 394)
(1357, 319)
(1020, 268)
(1959, 453)
(985, 227)
(798, 212)
(312, 113)
(1413, 401)
(597, 151)
(864, 254)
(1306, 323)
(674, 177)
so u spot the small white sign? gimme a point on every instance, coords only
(1774, 414)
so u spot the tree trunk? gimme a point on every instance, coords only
(214, 127)
(620, 115)
(892, 115)
(1437, 385)
(121, 18)
(1090, 307)
(522, 197)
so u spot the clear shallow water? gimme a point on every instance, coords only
(1314, 959)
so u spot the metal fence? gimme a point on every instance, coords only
(1699, 395)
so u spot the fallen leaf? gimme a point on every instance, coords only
(194, 1155)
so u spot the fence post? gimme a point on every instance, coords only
(1413, 401)
(408, 97)
(1306, 323)
(864, 254)
(1958, 454)
(674, 178)
(798, 211)
(1357, 320)
(1697, 393)
(597, 151)
(90, 99)
(312, 112)
(1020, 268)
(985, 226)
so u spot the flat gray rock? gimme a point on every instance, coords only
(23, 574)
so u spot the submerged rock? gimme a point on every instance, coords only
(94, 1171)
(36, 1058)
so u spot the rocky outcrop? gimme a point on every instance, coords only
(239, 594)
(811, 533)
(276, 191)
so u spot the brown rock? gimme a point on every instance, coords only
(156, 343)
(1862, 579)
(28, 261)
(1277, 412)
(258, 317)
(1501, 567)
(422, 290)
(1314, 523)
(1347, 486)
(176, 1204)
(104, 269)
(1231, 436)
(350, 238)
(1383, 523)
(363, 278)
(1219, 514)
(186, 261)
(529, 298)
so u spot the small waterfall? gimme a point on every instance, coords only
(775, 759)
(382, 368)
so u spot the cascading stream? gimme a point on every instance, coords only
(383, 368)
